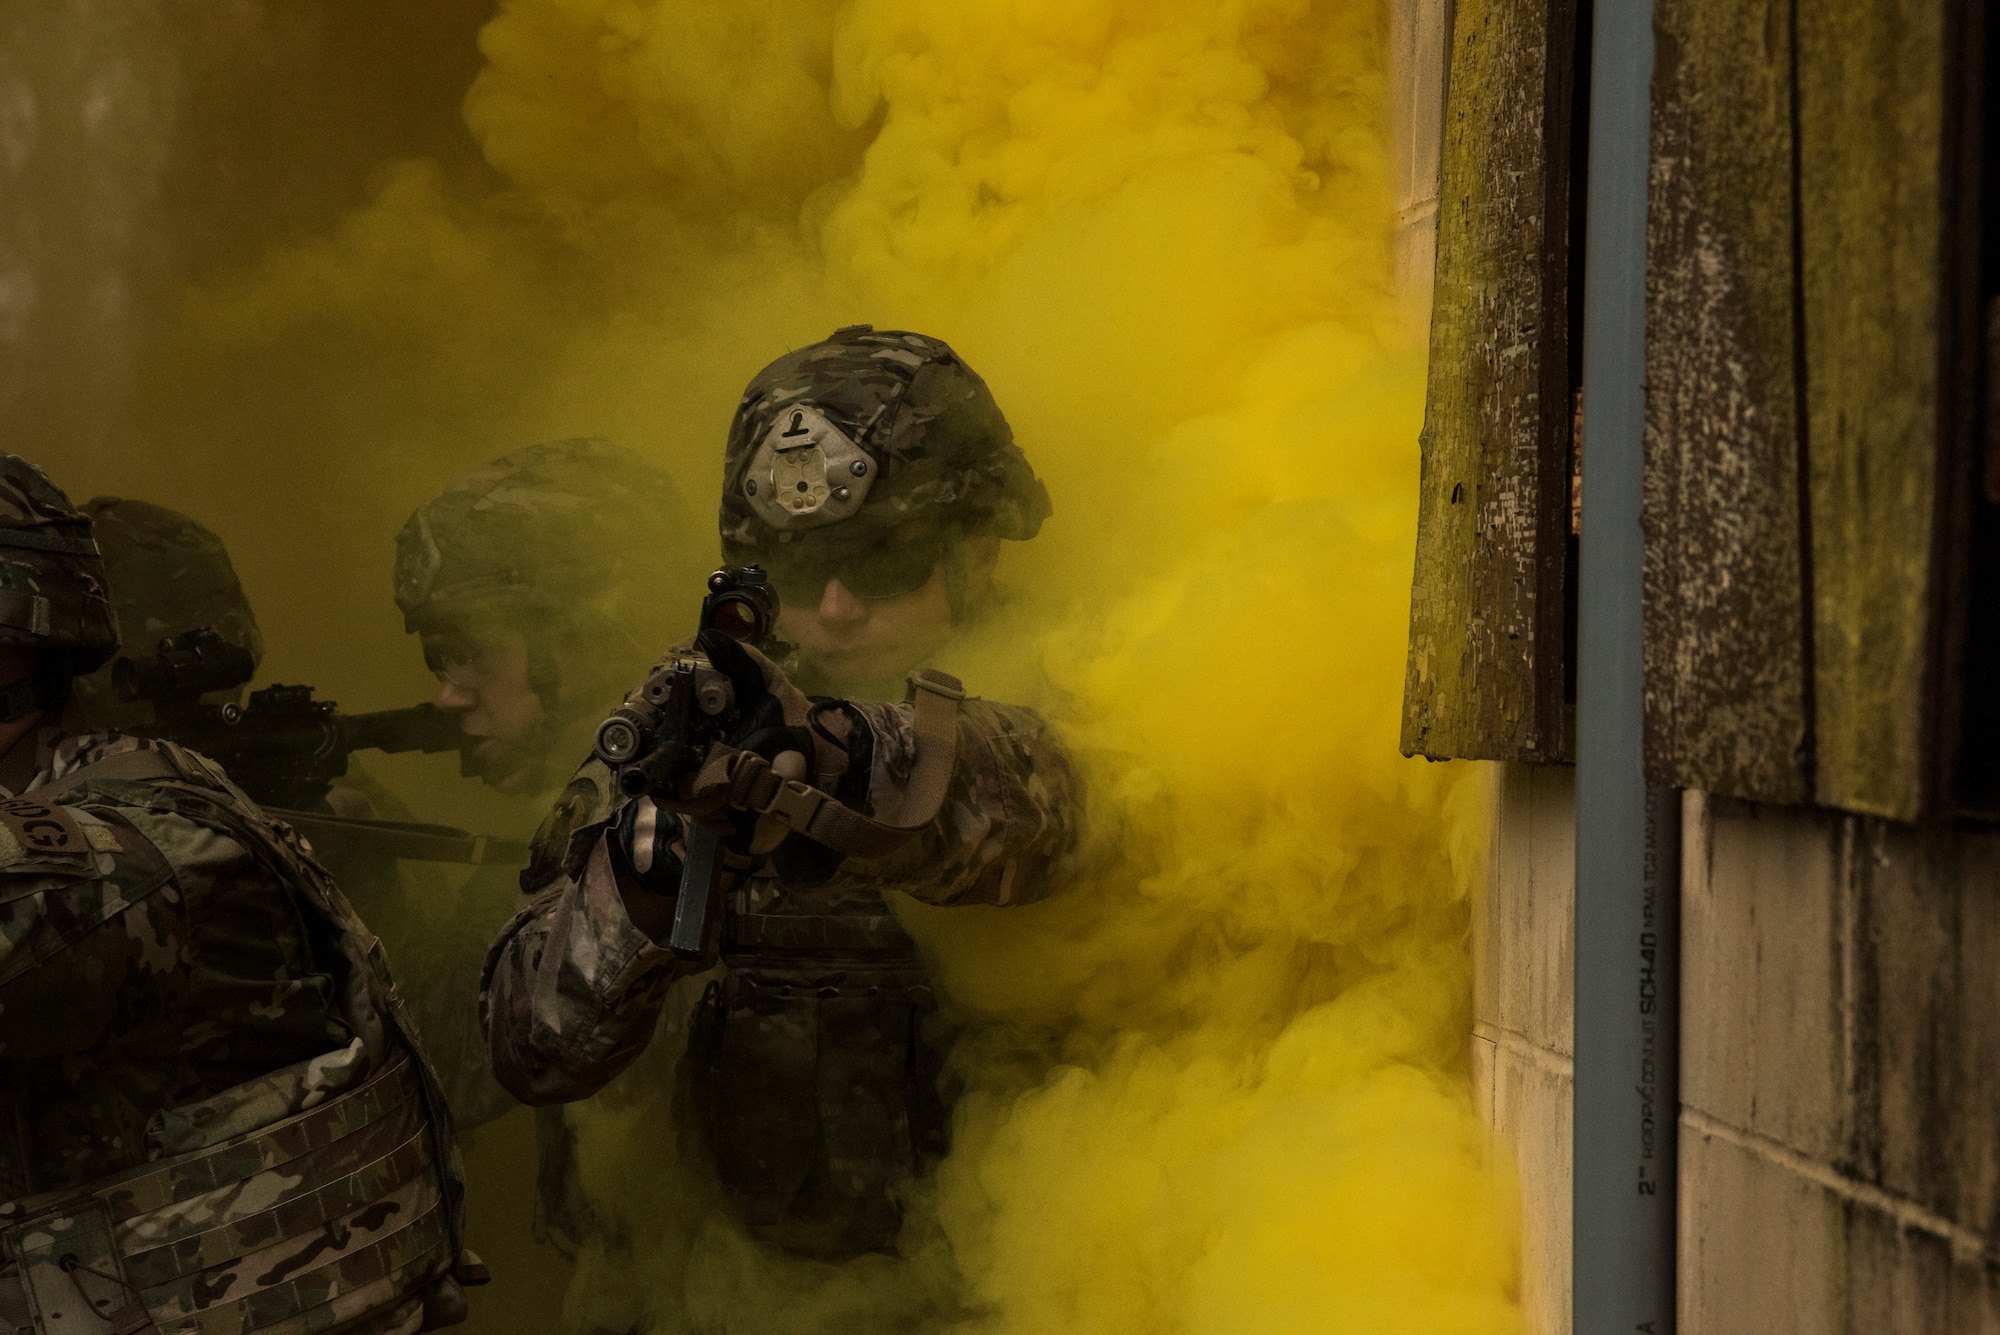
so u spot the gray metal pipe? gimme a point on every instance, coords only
(1627, 1098)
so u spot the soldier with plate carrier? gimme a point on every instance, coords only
(216, 1113)
(871, 478)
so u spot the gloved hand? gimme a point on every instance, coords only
(772, 711)
(797, 739)
(642, 843)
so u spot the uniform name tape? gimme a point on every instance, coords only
(42, 828)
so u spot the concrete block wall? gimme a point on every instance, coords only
(1840, 1077)
(1524, 963)
(1840, 1063)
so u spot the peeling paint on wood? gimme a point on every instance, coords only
(1726, 677)
(1485, 670)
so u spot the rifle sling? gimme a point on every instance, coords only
(747, 781)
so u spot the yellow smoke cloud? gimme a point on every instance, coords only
(1219, 1087)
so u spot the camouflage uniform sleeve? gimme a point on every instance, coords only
(1008, 831)
(572, 989)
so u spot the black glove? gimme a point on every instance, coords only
(642, 843)
(760, 725)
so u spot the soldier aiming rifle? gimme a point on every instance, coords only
(872, 478)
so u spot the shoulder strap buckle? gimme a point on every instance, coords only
(795, 804)
(936, 683)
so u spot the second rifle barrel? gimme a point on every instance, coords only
(418, 728)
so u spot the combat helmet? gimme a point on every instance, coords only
(53, 590)
(875, 440)
(578, 546)
(169, 574)
(554, 531)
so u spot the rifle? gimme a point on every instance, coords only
(664, 731)
(285, 748)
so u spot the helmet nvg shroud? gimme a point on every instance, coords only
(872, 433)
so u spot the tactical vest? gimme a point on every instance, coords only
(814, 1063)
(285, 1207)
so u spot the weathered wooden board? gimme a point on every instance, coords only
(1485, 673)
(1728, 688)
(1870, 87)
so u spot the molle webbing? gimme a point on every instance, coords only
(867, 936)
(319, 1218)
(24, 611)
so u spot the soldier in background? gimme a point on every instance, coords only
(875, 478)
(539, 584)
(170, 574)
(200, 1039)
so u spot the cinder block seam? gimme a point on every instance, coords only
(1966, 1245)
(1520, 1045)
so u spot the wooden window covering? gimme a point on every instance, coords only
(1485, 675)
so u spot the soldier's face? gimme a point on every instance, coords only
(864, 647)
(485, 682)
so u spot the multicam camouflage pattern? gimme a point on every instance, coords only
(53, 599)
(815, 1063)
(203, 1047)
(943, 453)
(278, 1224)
(548, 531)
(1009, 824)
(169, 574)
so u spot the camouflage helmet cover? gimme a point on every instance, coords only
(893, 429)
(552, 528)
(53, 589)
(170, 574)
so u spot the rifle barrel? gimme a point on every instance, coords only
(407, 840)
(423, 728)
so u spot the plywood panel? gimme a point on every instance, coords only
(1727, 687)
(1871, 77)
(1485, 672)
